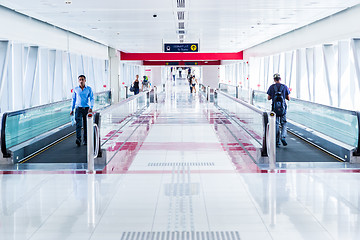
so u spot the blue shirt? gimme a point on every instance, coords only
(81, 97)
(285, 90)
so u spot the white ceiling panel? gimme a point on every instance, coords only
(219, 26)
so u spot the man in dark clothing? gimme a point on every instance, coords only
(285, 92)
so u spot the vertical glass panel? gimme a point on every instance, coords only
(102, 100)
(229, 89)
(244, 94)
(260, 100)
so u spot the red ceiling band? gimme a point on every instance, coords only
(180, 56)
(180, 63)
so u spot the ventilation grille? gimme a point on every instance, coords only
(180, 3)
(181, 15)
(181, 25)
(181, 36)
(181, 32)
(181, 164)
(223, 235)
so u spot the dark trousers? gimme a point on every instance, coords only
(136, 91)
(80, 117)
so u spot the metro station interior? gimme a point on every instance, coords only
(191, 150)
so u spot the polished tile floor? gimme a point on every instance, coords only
(180, 177)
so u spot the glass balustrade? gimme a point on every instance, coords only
(202, 88)
(111, 119)
(250, 119)
(229, 89)
(260, 100)
(243, 94)
(23, 125)
(117, 116)
(336, 123)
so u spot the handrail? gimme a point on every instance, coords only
(97, 123)
(317, 104)
(97, 140)
(37, 108)
(357, 151)
(48, 104)
(129, 99)
(242, 102)
(3, 143)
(227, 84)
(201, 87)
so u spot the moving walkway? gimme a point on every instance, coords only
(316, 133)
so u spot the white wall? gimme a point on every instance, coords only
(22, 29)
(342, 25)
(40, 63)
(210, 76)
(154, 76)
(319, 62)
(115, 75)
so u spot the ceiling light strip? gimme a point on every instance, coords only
(181, 3)
(181, 15)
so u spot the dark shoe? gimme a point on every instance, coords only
(85, 142)
(277, 144)
(78, 142)
(284, 141)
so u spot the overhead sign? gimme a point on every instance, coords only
(181, 47)
(181, 63)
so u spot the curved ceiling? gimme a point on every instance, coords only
(218, 26)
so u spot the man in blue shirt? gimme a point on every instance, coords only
(83, 103)
(285, 92)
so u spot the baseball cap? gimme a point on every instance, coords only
(276, 76)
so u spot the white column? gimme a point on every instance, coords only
(289, 59)
(276, 63)
(4, 53)
(331, 73)
(355, 44)
(344, 83)
(310, 71)
(211, 76)
(114, 74)
(155, 77)
(30, 74)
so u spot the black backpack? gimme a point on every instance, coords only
(279, 102)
